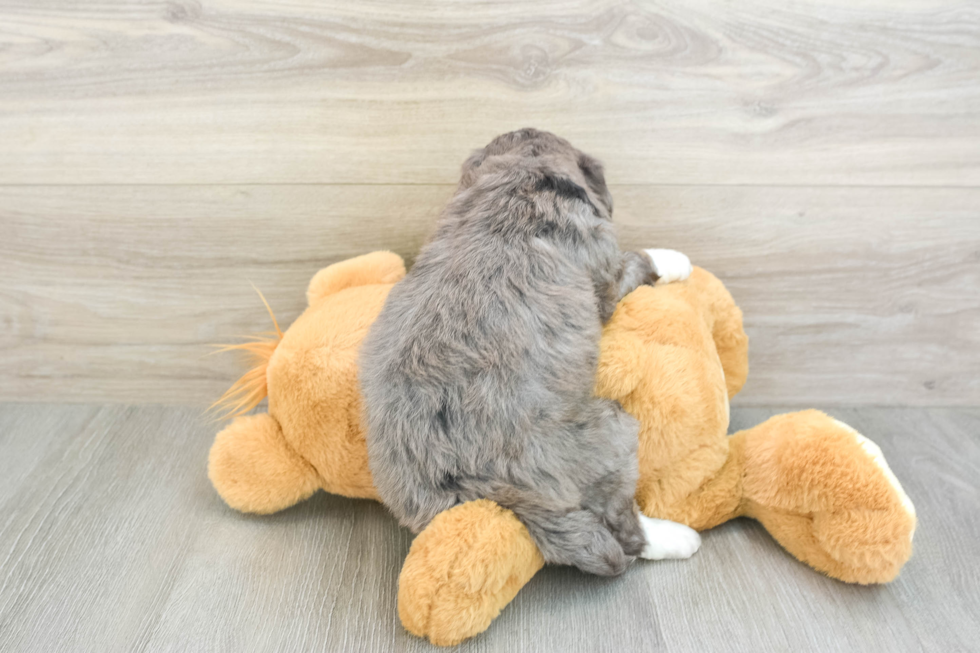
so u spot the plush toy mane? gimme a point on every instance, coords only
(251, 387)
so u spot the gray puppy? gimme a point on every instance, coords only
(478, 374)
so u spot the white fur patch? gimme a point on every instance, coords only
(668, 539)
(670, 265)
(874, 452)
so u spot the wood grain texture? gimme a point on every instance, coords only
(822, 157)
(112, 539)
(851, 295)
(287, 91)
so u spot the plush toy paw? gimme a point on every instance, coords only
(461, 571)
(670, 265)
(667, 540)
(873, 452)
(825, 492)
(254, 470)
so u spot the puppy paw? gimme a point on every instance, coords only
(668, 540)
(670, 265)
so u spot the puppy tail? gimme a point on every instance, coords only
(251, 388)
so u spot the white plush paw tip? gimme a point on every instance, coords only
(670, 265)
(668, 540)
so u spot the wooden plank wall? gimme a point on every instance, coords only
(823, 158)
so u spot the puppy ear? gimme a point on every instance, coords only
(470, 166)
(596, 179)
(562, 187)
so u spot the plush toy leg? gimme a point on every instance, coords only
(826, 494)
(724, 319)
(660, 358)
(717, 500)
(462, 570)
(373, 268)
(254, 469)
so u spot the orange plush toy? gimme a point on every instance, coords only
(673, 355)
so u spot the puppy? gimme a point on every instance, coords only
(477, 376)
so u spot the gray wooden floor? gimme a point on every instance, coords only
(111, 539)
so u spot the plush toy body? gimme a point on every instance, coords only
(672, 355)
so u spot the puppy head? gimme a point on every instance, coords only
(553, 163)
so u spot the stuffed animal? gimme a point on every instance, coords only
(673, 355)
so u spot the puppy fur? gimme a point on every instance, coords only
(478, 374)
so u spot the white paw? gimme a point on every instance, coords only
(670, 265)
(668, 539)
